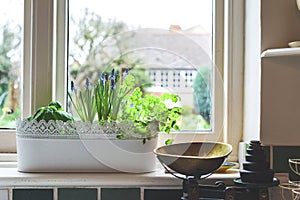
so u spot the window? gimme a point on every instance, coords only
(45, 62)
(166, 54)
(10, 62)
(11, 25)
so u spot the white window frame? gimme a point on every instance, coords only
(234, 31)
(45, 65)
(37, 67)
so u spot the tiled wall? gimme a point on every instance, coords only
(102, 194)
(89, 194)
(77, 193)
(159, 194)
(32, 194)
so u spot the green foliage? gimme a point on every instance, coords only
(142, 80)
(11, 39)
(202, 93)
(3, 97)
(103, 99)
(186, 110)
(8, 117)
(9, 44)
(91, 52)
(97, 44)
(168, 141)
(110, 91)
(53, 111)
(146, 109)
(56, 104)
(116, 99)
(84, 101)
(194, 122)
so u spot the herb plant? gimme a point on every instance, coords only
(144, 110)
(53, 111)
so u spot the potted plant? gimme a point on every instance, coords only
(117, 130)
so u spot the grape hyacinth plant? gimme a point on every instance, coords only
(109, 93)
(84, 101)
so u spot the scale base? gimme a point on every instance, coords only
(192, 190)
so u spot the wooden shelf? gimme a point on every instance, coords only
(281, 52)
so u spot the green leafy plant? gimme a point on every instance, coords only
(144, 110)
(53, 111)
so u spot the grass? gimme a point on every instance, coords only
(194, 122)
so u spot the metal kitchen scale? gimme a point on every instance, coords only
(195, 161)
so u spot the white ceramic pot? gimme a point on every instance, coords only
(85, 155)
(298, 4)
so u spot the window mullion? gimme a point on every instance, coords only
(26, 62)
(60, 51)
(234, 73)
(218, 55)
(41, 53)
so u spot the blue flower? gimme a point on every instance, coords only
(103, 79)
(73, 87)
(112, 75)
(112, 79)
(87, 84)
(125, 73)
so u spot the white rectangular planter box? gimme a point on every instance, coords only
(94, 155)
(86, 154)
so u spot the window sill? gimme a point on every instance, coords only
(10, 177)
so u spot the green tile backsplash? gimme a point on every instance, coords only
(77, 194)
(32, 194)
(92, 194)
(120, 194)
(162, 194)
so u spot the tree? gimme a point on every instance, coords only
(9, 42)
(9, 67)
(202, 93)
(94, 46)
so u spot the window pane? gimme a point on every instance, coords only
(166, 44)
(11, 20)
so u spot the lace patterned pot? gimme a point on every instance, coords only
(65, 147)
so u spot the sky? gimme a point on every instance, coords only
(150, 13)
(144, 13)
(11, 11)
(136, 13)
